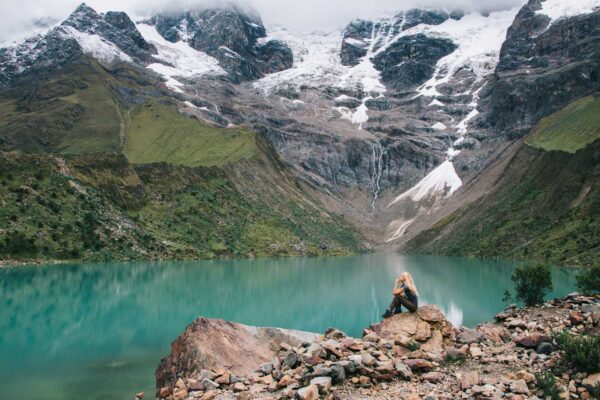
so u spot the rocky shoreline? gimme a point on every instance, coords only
(410, 356)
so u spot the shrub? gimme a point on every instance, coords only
(17, 243)
(546, 382)
(532, 283)
(596, 392)
(458, 358)
(581, 352)
(413, 346)
(588, 281)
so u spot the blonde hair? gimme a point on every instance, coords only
(410, 283)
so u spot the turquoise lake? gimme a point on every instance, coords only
(98, 331)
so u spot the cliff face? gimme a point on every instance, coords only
(544, 65)
(234, 37)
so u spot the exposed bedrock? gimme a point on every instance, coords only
(543, 66)
(212, 343)
(234, 37)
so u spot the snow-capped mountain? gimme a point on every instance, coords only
(387, 118)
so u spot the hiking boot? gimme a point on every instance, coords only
(388, 313)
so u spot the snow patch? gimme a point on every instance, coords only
(558, 9)
(317, 64)
(178, 59)
(316, 60)
(436, 102)
(479, 40)
(95, 46)
(400, 230)
(452, 152)
(355, 42)
(438, 126)
(443, 180)
(345, 97)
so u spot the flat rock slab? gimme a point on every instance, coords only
(215, 343)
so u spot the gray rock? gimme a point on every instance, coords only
(403, 371)
(290, 360)
(338, 372)
(323, 383)
(321, 370)
(266, 368)
(356, 359)
(210, 384)
(545, 348)
(468, 336)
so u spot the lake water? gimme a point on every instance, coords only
(97, 331)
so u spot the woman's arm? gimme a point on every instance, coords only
(398, 291)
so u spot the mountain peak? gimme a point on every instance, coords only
(83, 18)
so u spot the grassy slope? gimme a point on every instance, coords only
(71, 111)
(100, 207)
(570, 129)
(546, 206)
(159, 133)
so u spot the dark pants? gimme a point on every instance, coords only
(399, 301)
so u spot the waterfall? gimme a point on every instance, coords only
(377, 153)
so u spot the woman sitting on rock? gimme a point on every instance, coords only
(406, 295)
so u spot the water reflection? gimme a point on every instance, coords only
(72, 328)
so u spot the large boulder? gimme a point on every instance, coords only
(427, 326)
(212, 344)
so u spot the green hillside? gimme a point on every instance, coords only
(100, 207)
(545, 204)
(570, 129)
(160, 133)
(71, 111)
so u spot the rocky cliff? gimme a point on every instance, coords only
(236, 38)
(408, 356)
(544, 65)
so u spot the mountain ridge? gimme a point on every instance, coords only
(385, 120)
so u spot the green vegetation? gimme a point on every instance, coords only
(546, 382)
(545, 206)
(413, 346)
(456, 358)
(73, 111)
(100, 207)
(570, 129)
(596, 392)
(581, 352)
(160, 133)
(588, 281)
(532, 283)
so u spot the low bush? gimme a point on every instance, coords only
(17, 243)
(546, 382)
(413, 346)
(581, 352)
(532, 283)
(588, 281)
(596, 392)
